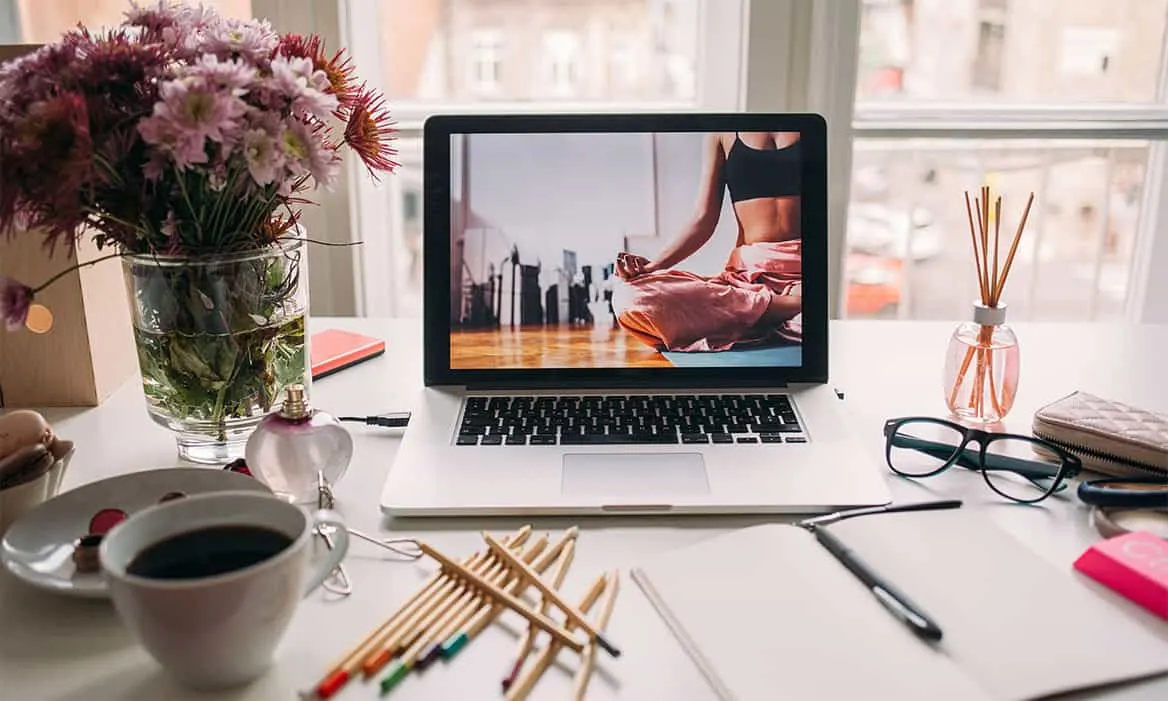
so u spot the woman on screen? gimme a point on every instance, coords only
(758, 297)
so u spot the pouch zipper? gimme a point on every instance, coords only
(1102, 456)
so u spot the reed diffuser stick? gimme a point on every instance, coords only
(1013, 249)
(973, 239)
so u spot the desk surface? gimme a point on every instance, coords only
(53, 648)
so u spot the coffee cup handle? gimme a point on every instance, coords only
(334, 555)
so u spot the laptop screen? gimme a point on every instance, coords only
(648, 249)
(579, 250)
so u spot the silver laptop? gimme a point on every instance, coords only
(627, 314)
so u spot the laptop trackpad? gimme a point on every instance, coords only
(634, 476)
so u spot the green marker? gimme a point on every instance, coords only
(397, 672)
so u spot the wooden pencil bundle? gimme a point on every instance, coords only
(455, 604)
(976, 370)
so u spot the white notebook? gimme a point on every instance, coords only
(767, 613)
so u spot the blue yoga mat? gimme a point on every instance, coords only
(772, 356)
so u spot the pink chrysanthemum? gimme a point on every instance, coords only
(338, 70)
(264, 157)
(306, 151)
(192, 111)
(232, 74)
(254, 40)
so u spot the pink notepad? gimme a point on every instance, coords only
(1134, 565)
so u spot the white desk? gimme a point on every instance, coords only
(53, 648)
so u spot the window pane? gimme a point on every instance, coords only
(517, 50)
(406, 188)
(43, 21)
(909, 252)
(1011, 50)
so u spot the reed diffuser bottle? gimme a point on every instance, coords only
(982, 364)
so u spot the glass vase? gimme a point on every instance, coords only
(219, 338)
(981, 367)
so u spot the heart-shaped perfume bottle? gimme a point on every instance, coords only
(290, 447)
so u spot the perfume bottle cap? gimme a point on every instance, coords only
(295, 405)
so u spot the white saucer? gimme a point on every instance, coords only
(38, 548)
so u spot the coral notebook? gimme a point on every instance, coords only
(767, 613)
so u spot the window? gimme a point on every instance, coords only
(561, 61)
(924, 99)
(515, 55)
(486, 61)
(530, 52)
(987, 62)
(1040, 50)
(1062, 98)
(623, 64)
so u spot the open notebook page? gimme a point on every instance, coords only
(1019, 625)
(767, 614)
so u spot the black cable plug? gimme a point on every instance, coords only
(398, 419)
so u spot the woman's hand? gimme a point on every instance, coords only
(630, 266)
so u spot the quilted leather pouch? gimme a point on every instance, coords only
(1110, 437)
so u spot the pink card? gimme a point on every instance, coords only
(1134, 565)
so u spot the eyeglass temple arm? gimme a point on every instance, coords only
(968, 458)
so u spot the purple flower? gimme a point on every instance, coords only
(15, 299)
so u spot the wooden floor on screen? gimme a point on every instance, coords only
(559, 346)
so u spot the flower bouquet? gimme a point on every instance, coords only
(184, 142)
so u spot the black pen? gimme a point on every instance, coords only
(898, 604)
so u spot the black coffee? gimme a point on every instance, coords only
(208, 552)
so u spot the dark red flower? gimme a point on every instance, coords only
(51, 157)
(15, 299)
(369, 131)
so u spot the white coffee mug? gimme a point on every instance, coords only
(217, 631)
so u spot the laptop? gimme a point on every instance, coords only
(627, 314)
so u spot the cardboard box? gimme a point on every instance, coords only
(90, 350)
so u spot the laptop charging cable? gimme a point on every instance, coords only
(395, 419)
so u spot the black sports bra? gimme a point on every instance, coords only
(751, 173)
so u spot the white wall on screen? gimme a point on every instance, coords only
(545, 193)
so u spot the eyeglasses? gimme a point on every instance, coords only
(923, 446)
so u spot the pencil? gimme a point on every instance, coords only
(342, 671)
(527, 679)
(416, 642)
(528, 639)
(479, 620)
(569, 611)
(588, 657)
(508, 600)
(421, 616)
(432, 632)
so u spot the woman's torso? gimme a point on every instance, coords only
(763, 172)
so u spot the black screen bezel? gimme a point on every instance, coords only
(436, 250)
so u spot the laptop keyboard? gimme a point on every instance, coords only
(630, 420)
